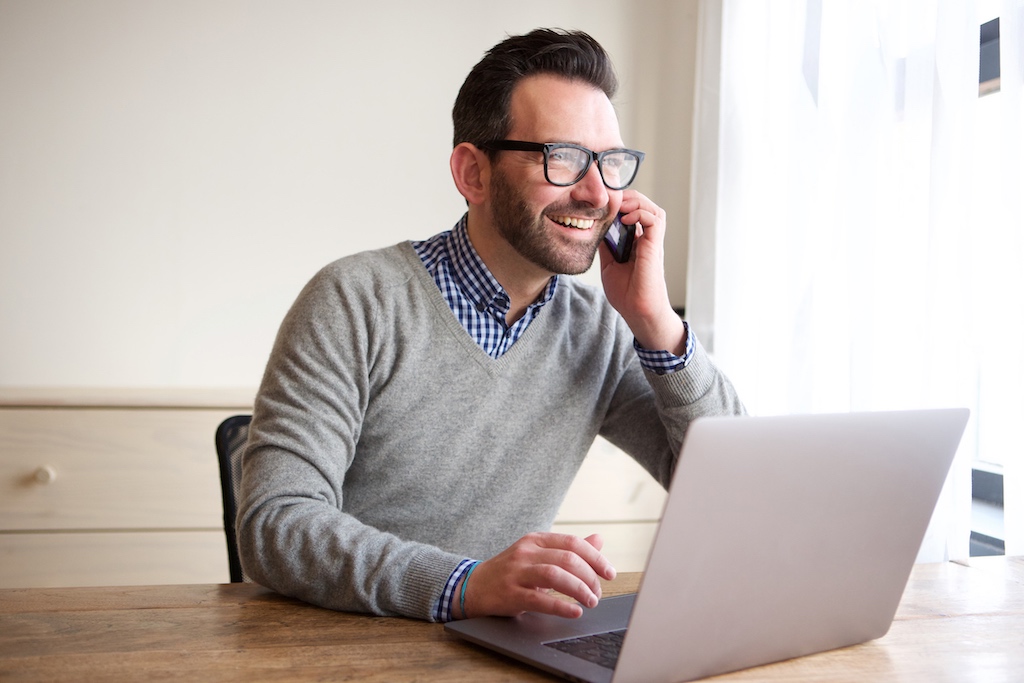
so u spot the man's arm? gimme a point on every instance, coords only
(293, 533)
(686, 387)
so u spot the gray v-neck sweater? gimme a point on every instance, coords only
(386, 446)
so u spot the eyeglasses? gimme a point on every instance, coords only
(566, 164)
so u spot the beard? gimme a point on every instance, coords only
(534, 240)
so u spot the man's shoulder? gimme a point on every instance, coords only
(395, 261)
(370, 271)
(363, 279)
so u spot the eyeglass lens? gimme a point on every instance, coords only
(568, 165)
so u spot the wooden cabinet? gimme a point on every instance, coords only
(615, 497)
(121, 487)
(112, 487)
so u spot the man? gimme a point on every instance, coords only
(427, 405)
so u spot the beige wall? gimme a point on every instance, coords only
(173, 172)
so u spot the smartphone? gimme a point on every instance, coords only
(620, 239)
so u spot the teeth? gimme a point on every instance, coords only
(581, 223)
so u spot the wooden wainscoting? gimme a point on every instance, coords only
(121, 487)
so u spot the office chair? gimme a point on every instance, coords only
(230, 440)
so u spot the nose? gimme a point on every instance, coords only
(591, 188)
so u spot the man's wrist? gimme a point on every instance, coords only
(464, 581)
(663, 362)
(667, 332)
(449, 593)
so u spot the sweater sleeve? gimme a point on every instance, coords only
(654, 437)
(293, 535)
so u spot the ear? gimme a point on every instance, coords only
(471, 170)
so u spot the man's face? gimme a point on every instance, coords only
(555, 228)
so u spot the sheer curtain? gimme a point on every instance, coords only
(843, 256)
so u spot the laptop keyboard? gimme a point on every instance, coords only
(600, 648)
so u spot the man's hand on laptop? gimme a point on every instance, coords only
(521, 578)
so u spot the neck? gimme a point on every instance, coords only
(522, 280)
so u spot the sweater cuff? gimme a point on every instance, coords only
(424, 583)
(688, 384)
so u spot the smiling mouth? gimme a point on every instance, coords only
(578, 223)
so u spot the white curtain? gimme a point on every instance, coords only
(856, 235)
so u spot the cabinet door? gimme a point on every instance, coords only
(614, 496)
(66, 469)
(612, 487)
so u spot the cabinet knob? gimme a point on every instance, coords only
(46, 474)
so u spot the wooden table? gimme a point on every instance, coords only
(955, 623)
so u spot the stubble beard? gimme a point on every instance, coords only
(530, 236)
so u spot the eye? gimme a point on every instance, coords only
(613, 162)
(568, 158)
(561, 155)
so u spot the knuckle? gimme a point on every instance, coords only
(536, 601)
(570, 542)
(533, 538)
(519, 556)
(568, 559)
(548, 574)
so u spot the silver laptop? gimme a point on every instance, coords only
(781, 537)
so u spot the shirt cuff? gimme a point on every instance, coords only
(663, 362)
(443, 609)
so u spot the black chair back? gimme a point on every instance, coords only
(230, 440)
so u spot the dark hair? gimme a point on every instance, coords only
(481, 110)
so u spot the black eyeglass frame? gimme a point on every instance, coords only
(546, 147)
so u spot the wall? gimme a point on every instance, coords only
(173, 172)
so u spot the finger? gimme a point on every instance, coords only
(546, 603)
(567, 580)
(631, 201)
(586, 550)
(638, 209)
(574, 567)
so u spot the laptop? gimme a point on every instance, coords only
(781, 537)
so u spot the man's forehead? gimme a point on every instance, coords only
(549, 108)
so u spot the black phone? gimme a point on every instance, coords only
(620, 239)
